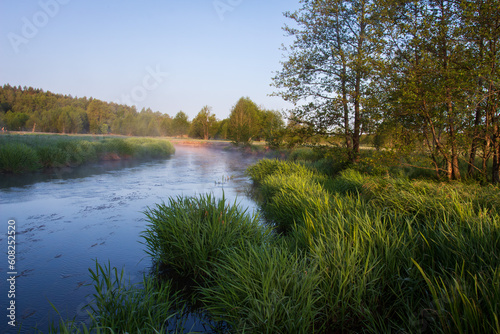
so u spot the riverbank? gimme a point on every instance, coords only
(349, 250)
(24, 153)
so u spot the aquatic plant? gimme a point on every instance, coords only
(264, 288)
(188, 234)
(17, 158)
(118, 306)
(395, 254)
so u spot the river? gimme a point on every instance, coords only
(66, 219)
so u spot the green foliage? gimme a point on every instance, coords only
(189, 234)
(265, 167)
(52, 156)
(291, 197)
(15, 121)
(37, 110)
(394, 254)
(244, 121)
(204, 125)
(262, 288)
(118, 306)
(273, 128)
(180, 124)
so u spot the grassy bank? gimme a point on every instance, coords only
(393, 254)
(27, 153)
(343, 251)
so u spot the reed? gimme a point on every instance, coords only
(394, 254)
(189, 233)
(18, 158)
(263, 288)
(118, 306)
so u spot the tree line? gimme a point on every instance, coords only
(423, 73)
(31, 109)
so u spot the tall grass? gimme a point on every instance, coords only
(395, 254)
(18, 157)
(119, 306)
(263, 288)
(188, 234)
(25, 153)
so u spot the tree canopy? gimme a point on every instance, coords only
(424, 71)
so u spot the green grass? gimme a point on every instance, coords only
(264, 288)
(396, 254)
(188, 234)
(119, 306)
(26, 153)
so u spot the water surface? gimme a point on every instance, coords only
(68, 218)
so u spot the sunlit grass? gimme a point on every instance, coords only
(189, 233)
(264, 288)
(396, 254)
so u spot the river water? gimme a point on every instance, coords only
(67, 219)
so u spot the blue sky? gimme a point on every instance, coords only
(168, 55)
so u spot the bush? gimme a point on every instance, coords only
(50, 156)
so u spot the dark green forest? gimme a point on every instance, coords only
(36, 110)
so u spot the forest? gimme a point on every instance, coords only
(36, 110)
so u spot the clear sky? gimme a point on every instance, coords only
(168, 55)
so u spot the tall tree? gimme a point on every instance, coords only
(330, 65)
(98, 114)
(202, 124)
(426, 78)
(480, 24)
(180, 124)
(244, 121)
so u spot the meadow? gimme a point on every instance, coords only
(31, 152)
(344, 249)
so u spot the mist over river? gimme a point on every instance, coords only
(66, 219)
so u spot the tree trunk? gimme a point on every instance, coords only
(474, 144)
(495, 173)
